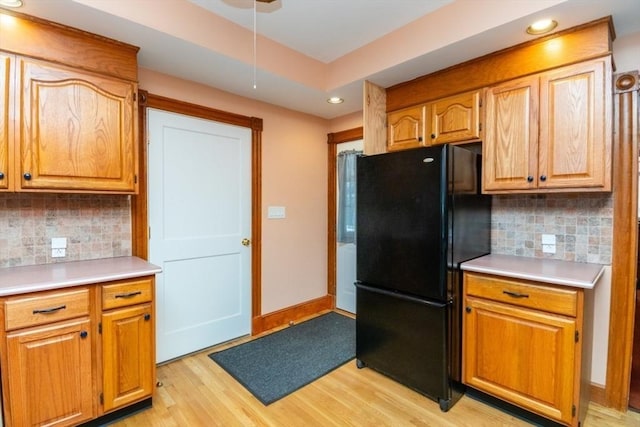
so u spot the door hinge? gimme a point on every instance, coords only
(101, 398)
(573, 410)
(100, 327)
(149, 233)
(577, 336)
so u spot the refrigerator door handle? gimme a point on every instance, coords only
(398, 295)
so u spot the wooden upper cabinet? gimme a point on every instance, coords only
(455, 119)
(550, 131)
(68, 117)
(406, 128)
(78, 129)
(510, 149)
(6, 113)
(575, 127)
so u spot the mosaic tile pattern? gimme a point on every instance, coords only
(582, 224)
(96, 226)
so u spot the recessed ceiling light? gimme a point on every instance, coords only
(11, 3)
(542, 26)
(335, 100)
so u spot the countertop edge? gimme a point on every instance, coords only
(38, 284)
(533, 275)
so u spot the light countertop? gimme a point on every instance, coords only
(567, 273)
(43, 277)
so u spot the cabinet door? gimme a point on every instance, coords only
(50, 375)
(510, 148)
(6, 114)
(128, 356)
(406, 128)
(575, 127)
(455, 119)
(537, 371)
(78, 130)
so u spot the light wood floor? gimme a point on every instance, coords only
(198, 392)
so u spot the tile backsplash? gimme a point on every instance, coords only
(99, 226)
(581, 222)
(96, 226)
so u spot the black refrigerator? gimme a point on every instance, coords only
(420, 213)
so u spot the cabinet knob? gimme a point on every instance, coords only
(468, 309)
(529, 178)
(543, 177)
(419, 139)
(147, 316)
(433, 136)
(83, 334)
(1, 175)
(27, 176)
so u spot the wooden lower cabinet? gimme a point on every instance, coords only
(127, 356)
(50, 377)
(523, 344)
(72, 355)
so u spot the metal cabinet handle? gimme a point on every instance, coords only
(83, 334)
(543, 177)
(1, 175)
(49, 310)
(27, 176)
(147, 316)
(515, 294)
(128, 295)
(529, 178)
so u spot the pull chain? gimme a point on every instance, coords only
(254, 44)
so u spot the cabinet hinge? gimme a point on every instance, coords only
(149, 233)
(577, 337)
(573, 410)
(101, 399)
(135, 97)
(100, 327)
(480, 127)
(480, 102)
(135, 179)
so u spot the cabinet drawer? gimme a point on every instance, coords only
(40, 308)
(129, 292)
(523, 293)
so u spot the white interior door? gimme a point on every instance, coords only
(199, 214)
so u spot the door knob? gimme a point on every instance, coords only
(246, 242)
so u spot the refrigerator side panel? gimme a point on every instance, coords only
(469, 223)
(399, 222)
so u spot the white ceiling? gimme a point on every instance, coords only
(328, 31)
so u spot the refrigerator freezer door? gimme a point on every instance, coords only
(405, 339)
(401, 221)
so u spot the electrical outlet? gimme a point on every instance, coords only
(58, 242)
(58, 252)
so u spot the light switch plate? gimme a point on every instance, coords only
(276, 212)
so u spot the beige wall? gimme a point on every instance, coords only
(294, 175)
